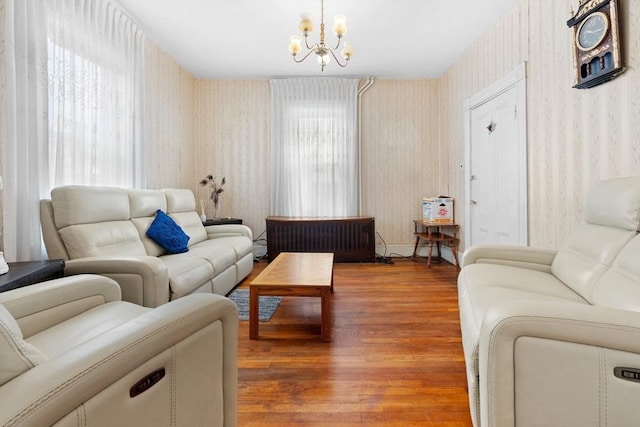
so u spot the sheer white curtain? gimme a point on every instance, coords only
(94, 60)
(314, 152)
(25, 174)
(73, 87)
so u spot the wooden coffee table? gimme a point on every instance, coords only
(295, 274)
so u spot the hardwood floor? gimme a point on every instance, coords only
(395, 358)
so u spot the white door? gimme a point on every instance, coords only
(496, 167)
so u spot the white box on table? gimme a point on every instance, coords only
(438, 210)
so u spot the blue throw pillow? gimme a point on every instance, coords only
(165, 232)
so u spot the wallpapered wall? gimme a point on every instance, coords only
(413, 131)
(398, 150)
(168, 122)
(412, 139)
(400, 158)
(575, 137)
(231, 122)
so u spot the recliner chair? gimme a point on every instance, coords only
(552, 337)
(73, 354)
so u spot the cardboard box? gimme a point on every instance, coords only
(438, 210)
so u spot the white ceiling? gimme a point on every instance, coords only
(248, 39)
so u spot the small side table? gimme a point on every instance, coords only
(435, 234)
(30, 272)
(222, 221)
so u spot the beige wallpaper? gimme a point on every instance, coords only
(575, 137)
(399, 151)
(400, 158)
(231, 135)
(168, 122)
(196, 127)
(412, 138)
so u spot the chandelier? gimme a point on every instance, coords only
(322, 51)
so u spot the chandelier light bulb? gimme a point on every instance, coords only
(347, 51)
(306, 25)
(295, 45)
(339, 25)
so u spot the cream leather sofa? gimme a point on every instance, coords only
(545, 332)
(102, 230)
(73, 354)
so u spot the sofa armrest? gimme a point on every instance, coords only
(42, 305)
(144, 280)
(558, 325)
(517, 256)
(170, 336)
(227, 230)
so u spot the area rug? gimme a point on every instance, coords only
(266, 306)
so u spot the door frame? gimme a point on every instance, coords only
(515, 79)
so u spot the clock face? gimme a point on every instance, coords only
(592, 31)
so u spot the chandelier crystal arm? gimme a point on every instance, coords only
(338, 43)
(312, 50)
(338, 60)
(306, 43)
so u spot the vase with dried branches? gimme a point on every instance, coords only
(215, 189)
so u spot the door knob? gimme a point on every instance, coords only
(473, 202)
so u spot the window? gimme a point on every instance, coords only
(313, 148)
(92, 95)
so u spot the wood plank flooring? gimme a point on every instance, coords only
(395, 358)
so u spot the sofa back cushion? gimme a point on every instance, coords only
(50, 235)
(181, 206)
(589, 253)
(615, 203)
(144, 204)
(94, 221)
(619, 286)
(109, 238)
(612, 215)
(142, 225)
(16, 355)
(74, 205)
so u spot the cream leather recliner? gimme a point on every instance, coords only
(552, 338)
(73, 354)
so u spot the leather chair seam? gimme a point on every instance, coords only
(17, 348)
(564, 320)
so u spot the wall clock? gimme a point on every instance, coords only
(596, 43)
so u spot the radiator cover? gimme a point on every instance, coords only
(350, 239)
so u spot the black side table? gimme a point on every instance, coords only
(222, 221)
(29, 272)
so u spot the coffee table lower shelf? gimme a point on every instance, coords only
(294, 274)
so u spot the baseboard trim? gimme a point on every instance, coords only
(407, 251)
(392, 251)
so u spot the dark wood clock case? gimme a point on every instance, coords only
(603, 61)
